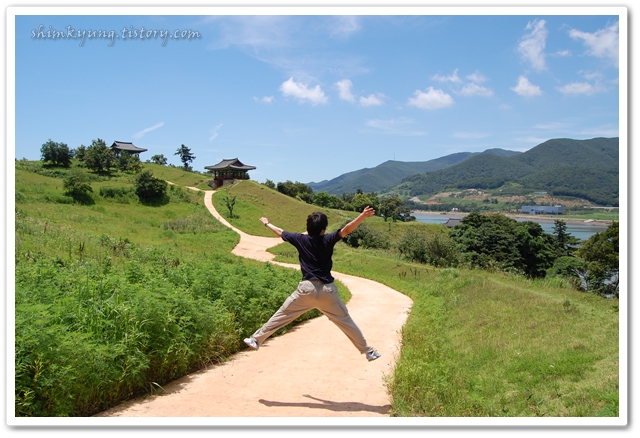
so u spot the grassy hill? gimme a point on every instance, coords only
(115, 298)
(478, 343)
(391, 173)
(585, 169)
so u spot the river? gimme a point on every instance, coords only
(582, 232)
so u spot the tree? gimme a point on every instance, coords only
(361, 200)
(496, 241)
(150, 188)
(185, 156)
(99, 157)
(159, 159)
(601, 252)
(129, 162)
(58, 154)
(296, 190)
(77, 186)
(270, 184)
(80, 153)
(230, 202)
(565, 242)
(394, 207)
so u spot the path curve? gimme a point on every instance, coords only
(311, 371)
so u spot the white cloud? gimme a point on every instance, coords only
(214, 132)
(592, 76)
(399, 126)
(476, 90)
(477, 78)
(283, 41)
(264, 99)
(526, 88)
(532, 45)
(432, 99)
(344, 25)
(602, 43)
(577, 88)
(301, 92)
(344, 89)
(453, 78)
(372, 100)
(470, 135)
(146, 130)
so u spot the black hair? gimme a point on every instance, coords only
(316, 222)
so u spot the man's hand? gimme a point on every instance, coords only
(351, 226)
(368, 212)
(276, 230)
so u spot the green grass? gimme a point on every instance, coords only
(115, 298)
(254, 201)
(489, 344)
(475, 343)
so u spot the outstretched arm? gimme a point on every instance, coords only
(354, 224)
(272, 227)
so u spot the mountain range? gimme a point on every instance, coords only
(391, 173)
(586, 169)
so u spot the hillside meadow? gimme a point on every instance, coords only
(115, 298)
(481, 343)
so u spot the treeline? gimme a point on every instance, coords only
(388, 207)
(498, 243)
(100, 158)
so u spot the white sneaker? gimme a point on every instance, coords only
(372, 355)
(253, 344)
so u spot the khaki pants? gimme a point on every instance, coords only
(314, 295)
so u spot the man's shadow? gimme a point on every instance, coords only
(330, 405)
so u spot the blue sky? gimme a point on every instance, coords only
(310, 97)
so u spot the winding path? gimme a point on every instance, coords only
(311, 371)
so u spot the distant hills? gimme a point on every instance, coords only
(586, 169)
(391, 173)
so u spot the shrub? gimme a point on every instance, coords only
(438, 250)
(116, 192)
(366, 237)
(150, 188)
(78, 188)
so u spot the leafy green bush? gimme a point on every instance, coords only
(118, 193)
(149, 188)
(77, 186)
(494, 241)
(437, 250)
(366, 237)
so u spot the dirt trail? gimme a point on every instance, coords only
(311, 371)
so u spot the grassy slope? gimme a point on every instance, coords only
(487, 344)
(475, 343)
(139, 223)
(255, 200)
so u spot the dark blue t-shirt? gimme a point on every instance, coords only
(314, 254)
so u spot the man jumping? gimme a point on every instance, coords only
(317, 289)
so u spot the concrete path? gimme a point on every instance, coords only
(311, 371)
